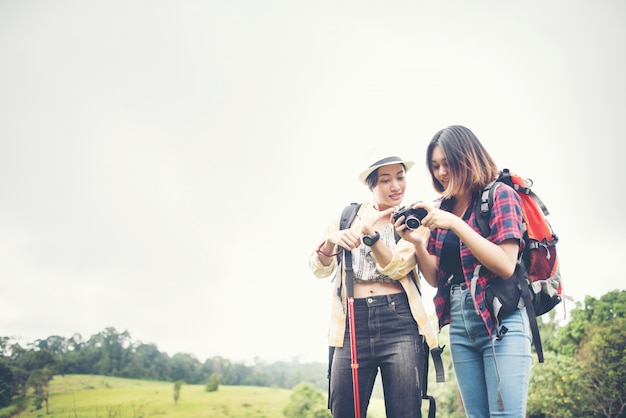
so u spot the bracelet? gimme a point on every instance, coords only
(320, 252)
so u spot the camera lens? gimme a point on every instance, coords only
(412, 222)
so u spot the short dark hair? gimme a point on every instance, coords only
(372, 179)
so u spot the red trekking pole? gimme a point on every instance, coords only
(353, 357)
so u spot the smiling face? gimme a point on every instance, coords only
(389, 189)
(439, 167)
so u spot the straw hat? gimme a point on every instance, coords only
(380, 163)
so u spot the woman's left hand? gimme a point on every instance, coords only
(369, 224)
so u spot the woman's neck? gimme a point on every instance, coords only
(380, 206)
(461, 203)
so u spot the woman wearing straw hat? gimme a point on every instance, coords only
(386, 301)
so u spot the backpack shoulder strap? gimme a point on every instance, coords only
(483, 208)
(348, 215)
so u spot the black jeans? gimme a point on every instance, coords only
(387, 339)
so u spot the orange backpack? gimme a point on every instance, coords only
(537, 278)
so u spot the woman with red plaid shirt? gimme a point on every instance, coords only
(492, 375)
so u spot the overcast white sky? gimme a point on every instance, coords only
(166, 167)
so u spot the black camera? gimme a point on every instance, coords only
(412, 216)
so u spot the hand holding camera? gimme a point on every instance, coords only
(412, 216)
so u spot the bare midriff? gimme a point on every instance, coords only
(365, 289)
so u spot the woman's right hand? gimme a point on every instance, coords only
(438, 218)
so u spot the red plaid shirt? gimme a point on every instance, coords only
(505, 223)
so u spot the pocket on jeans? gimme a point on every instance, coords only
(402, 310)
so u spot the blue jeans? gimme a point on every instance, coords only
(481, 364)
(387, 339)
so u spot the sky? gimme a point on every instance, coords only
(167, 167)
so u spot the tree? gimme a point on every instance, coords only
(36, 359)
(595, 338)
(7, 380)
(185, 366)
(558, 388)
(306, 401)
(113, 348)
(603, 353)
(39, 380)
(595, 311)
(177, 386)
(5, 346)
(213, 383)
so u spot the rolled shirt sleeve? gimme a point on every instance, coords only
(403, 260)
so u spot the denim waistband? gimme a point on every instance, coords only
(381, 299)
(459, 286)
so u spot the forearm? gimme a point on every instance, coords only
(326, 252)
(500, 259)
(321, 270)
(381, 253)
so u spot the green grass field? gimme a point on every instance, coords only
(84, 396)
(80, 396)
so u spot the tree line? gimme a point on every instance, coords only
(114, 353)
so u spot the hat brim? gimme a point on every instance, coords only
(385, 161)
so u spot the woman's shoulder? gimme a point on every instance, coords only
(505, 202)
(505, 193)
(496, 191)
(499, 198)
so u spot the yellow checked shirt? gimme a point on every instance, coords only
(402, 263)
